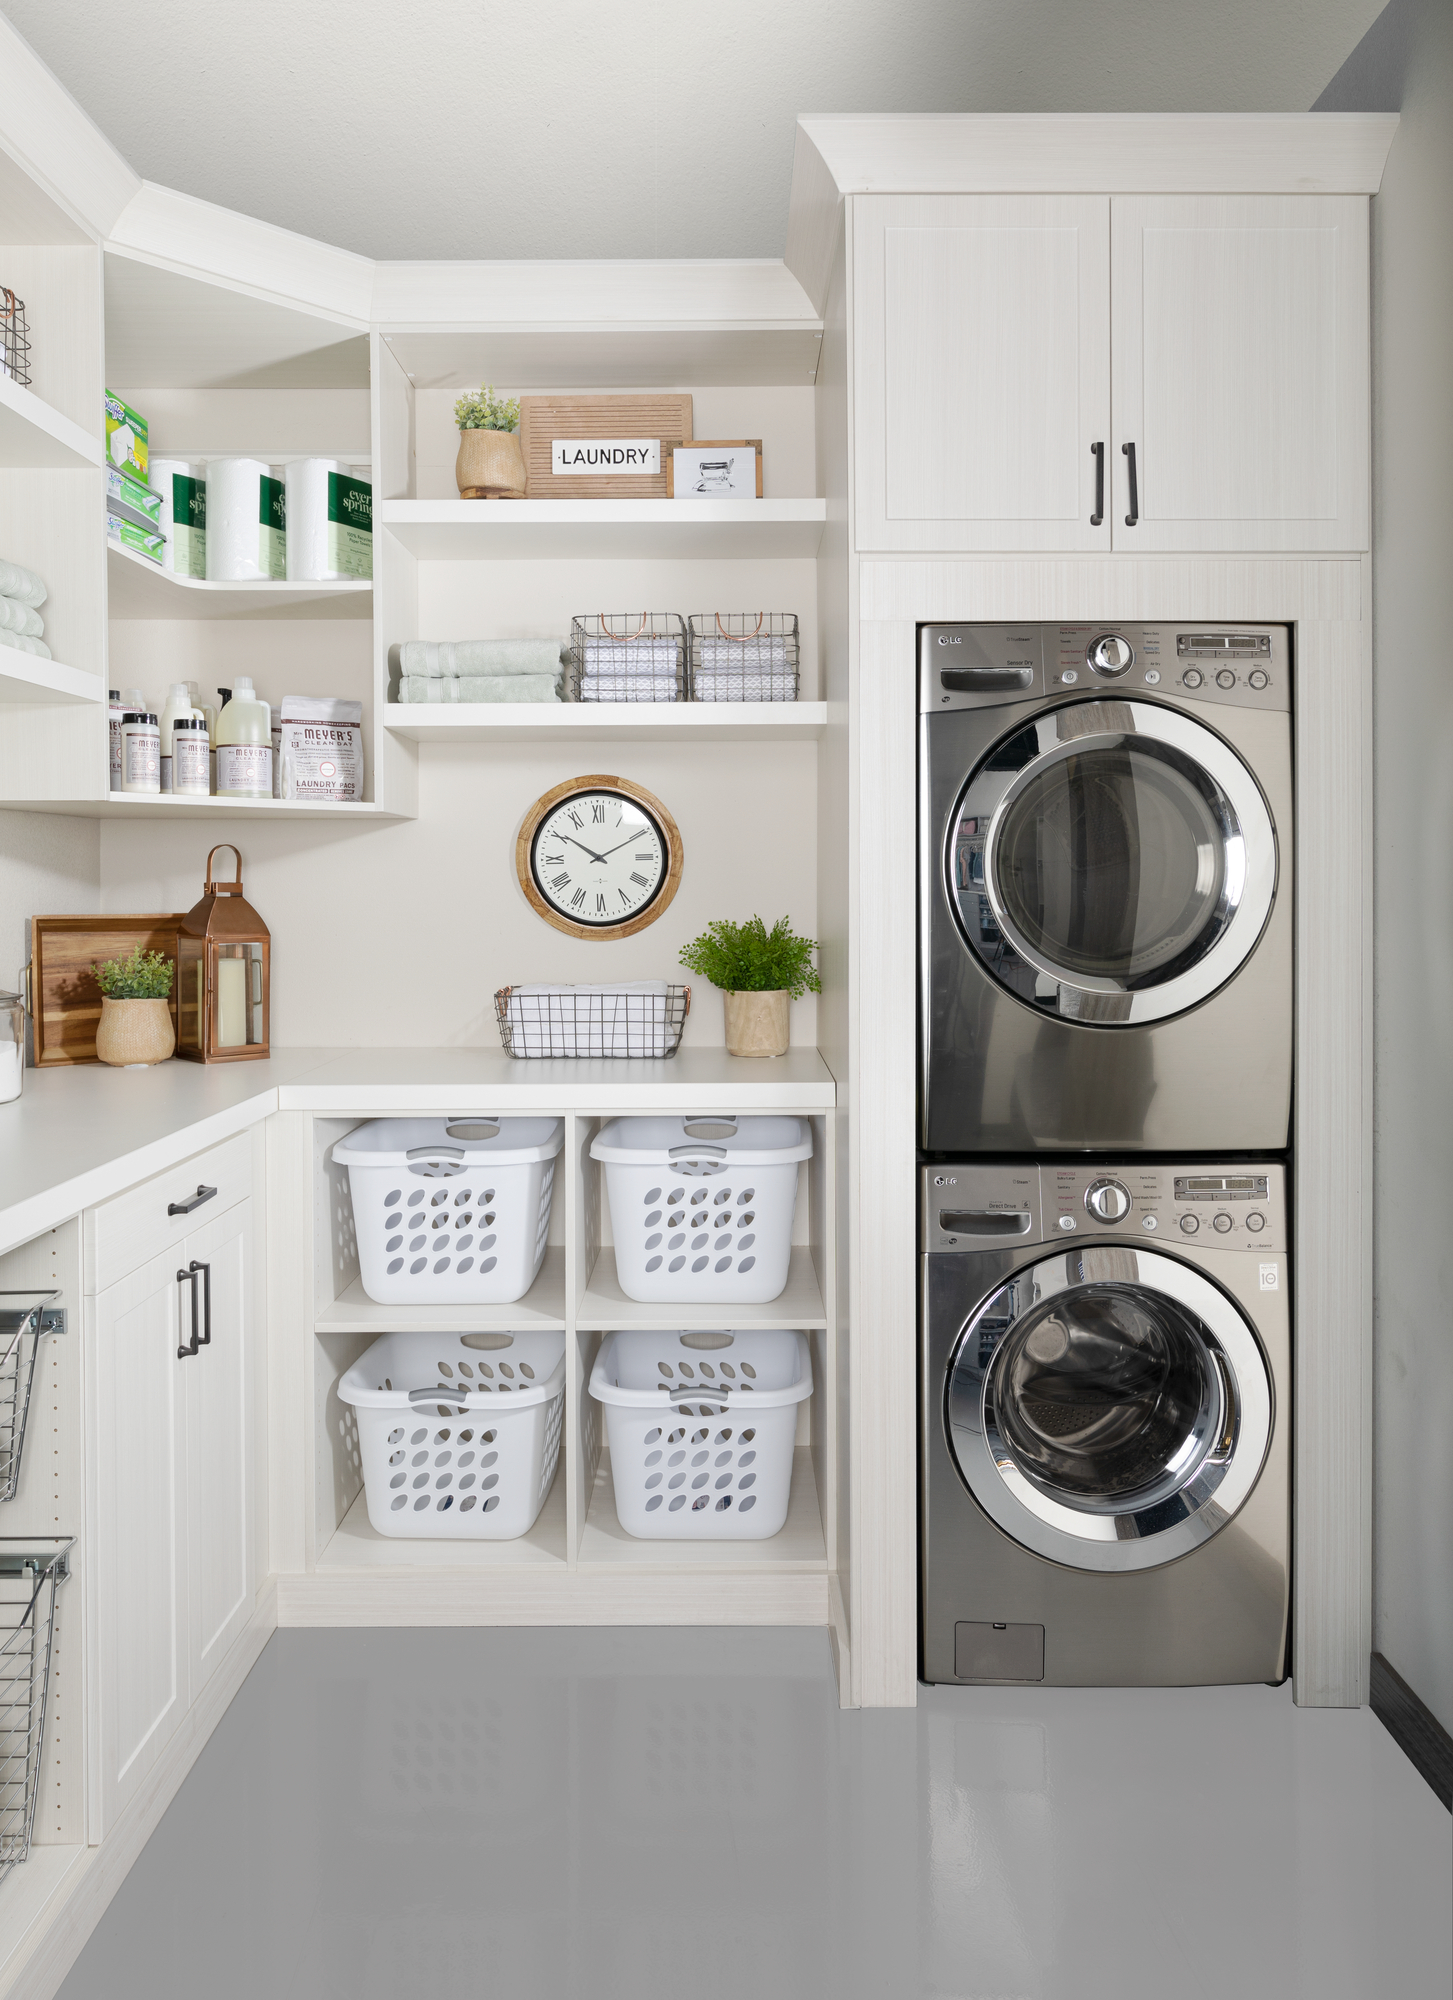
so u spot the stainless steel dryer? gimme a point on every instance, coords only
(1105, 888)
(1105, 1415)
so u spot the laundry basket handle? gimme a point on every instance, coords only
(693, 1152)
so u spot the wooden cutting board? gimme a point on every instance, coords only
(65, 1001)
(543, 419)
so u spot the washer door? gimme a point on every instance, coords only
(1108, 1408)
(1112, 862)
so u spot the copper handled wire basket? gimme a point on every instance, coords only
(592, 1021)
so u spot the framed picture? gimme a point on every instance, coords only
(715, 469)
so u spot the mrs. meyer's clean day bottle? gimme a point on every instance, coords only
(244, 745)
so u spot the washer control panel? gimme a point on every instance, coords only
(969, 1205)
(980, 666)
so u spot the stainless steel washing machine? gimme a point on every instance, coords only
(1105, 888)
(1105, 1413)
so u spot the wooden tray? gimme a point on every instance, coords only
(61, 989)
(545, 418)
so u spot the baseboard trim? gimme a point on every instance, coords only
(1413, 1726)
(72, 1916)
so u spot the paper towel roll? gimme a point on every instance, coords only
(330, 522)
(21, 583)
(185, 554)
(246, 536)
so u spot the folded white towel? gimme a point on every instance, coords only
(18, 617)
(21, 583)
(757, 651)
(630, 687)
(629, 1019)
(441, 658)
(637, 655)
(744, 687)
(37, 647)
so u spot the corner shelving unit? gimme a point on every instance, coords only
(45, 683)
(139, 588)
(35, 436)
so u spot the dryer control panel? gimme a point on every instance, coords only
(1235, 664)
(968, 1205)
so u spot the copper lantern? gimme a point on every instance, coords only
(223, 1008)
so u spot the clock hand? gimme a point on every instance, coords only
(639, 834)
(584, 849)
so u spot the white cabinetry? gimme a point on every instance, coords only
(985, 327)
(170, 1502)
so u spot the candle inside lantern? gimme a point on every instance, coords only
(231, 1002)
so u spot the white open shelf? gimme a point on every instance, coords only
(542, 1306)
(24, 677)
(799, 1545)
(140, 588)
(33, 436)
(476, 530)
(159, 805)
(605, 1306)
(587, 722)
(357, 1545)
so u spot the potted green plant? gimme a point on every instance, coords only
(136, 1017)
(760, 972)
(490, 465)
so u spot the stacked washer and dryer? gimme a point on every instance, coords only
(1106, 1067)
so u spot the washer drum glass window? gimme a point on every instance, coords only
(1108, 1408)
(1113, 862)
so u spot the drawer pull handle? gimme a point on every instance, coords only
(189, 1348)
(195, 1201)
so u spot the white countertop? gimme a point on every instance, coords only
(77, 1136)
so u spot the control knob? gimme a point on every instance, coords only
(1110, 656)
(1192, 677)
(1222, 1223)
(1226, 679)
(1190, 1224)
(1108, 1201)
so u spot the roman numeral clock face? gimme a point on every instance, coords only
(602, 857)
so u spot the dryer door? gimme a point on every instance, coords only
(1108, 1408)
(1112, 862)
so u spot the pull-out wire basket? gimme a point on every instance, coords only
(31, 1570)
(627, 656)
(23, 1320)
(744, 656)
(592, 1020)
(14, 338)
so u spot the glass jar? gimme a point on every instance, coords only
(12, 1045)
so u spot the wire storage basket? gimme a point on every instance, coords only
(14, 338)
(22, 1322)
(744, 656)
(627, 656)
(31, 1571)
(640, 1020)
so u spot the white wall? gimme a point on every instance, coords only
(49, 866)
(1406, 63)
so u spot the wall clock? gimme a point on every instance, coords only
(599, 857)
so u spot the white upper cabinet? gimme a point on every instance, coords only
(1241, 371)
(982, 366)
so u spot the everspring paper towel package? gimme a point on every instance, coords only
(317, 749)
(246, 521)
(330, 522)
(182, 491)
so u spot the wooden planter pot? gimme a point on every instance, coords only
(490, 466)
(756, 1023)
(133, 1032)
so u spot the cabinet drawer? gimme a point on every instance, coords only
(124, 1232)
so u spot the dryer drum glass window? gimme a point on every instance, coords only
(1113, 862)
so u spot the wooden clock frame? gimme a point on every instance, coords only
(541, 810)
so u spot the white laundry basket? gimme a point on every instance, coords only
(451, 1211)
(701, 1428)
(701, 1207)
(460, 1433)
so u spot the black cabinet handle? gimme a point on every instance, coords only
(1097, 452)
(188, 1349)
(1134, 515)
(206, 1271)
(186, 1207)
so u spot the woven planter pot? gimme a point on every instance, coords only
(135, 1032)
(490, 466)
(756, 1023)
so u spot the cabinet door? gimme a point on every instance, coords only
(136, 1393)
(219, 1448)
(1241, 371)
(981, 370)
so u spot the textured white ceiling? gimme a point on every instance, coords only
(615, 128)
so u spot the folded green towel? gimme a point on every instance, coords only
(478, 687)
(441, 658)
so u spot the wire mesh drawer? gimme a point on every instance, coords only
(31, 1570)
(644, 1020)
(627, 656)
(23, 1320)
(744, 656)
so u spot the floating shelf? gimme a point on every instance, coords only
(45, 683)
(357, 1545)
(159, 805)
(605, 1306)
(477, 530)
(138, 588)
(33, 435)
(543, 1306)
(587, 722)
(798, 1546)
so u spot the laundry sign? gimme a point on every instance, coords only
(604, 457)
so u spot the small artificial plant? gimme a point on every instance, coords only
(749, 958)
(483, 410)
(144, 975)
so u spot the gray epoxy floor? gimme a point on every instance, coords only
(648, 1813)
